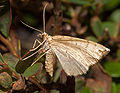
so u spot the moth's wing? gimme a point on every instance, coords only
(96, 50)
(73, 60)
(50, 62)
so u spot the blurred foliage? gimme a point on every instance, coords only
(32, 69)
(4, 24)
(5, 80)
(115, 71)
(96, 20)
(115, 88)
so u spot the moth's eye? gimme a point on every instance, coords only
(40, 35)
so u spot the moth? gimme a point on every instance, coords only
(74, 54)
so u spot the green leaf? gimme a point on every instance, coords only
(79, 2)
(36, 92)
(113, 68)
(113, 28)
(97, 27)
(113, 88)
(4, 24)
(22, 65)
(92, 38)
(118, 54)
(118, 88)
(10, 60)
(85, 90)
(30, 19)
(1, 58)
(2, 91)
(42, 77)
(57, 72)
(5, 80)
(79, 83)
(115, 16)
(54, 91)
(32, 70)
(110, 4)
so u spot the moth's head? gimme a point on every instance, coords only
(43, 35)
(46, 36)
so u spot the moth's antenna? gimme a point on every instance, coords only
(31, 27)
(44, 17)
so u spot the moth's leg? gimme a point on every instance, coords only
(40, 43)
(40, 56)
(33, 49)
(33, 54)
(36, 40)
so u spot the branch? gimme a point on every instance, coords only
(9, 45)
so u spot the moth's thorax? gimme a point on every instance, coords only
(48, 40)
(47, 37)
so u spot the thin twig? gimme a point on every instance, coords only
(33, 80)
(9, 45)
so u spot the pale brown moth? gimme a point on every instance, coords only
(74, 54)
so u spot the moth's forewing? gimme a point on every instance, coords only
(50, 62)
(93, 48)
(76, 55)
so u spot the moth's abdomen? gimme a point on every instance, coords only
(49, 62)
